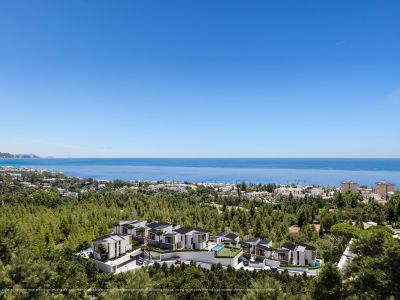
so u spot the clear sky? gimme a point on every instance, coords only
(200, 78)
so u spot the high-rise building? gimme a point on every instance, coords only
(348, 186)
(382, 188)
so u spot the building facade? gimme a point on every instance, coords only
(349, 186)
(384, 189)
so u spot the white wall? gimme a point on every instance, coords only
(125, 245)
(111, 250)
(259, 265)
(189, 240)
(308, 256)
(104, 267)
(303, 256)
(298, 258)
(272, 263)
(111, 266)
(202, 256)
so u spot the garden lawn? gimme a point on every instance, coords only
(228, 252)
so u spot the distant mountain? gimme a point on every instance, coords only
(9, 155)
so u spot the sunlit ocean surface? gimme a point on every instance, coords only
(230, 170)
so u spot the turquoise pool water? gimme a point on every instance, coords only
(217, 248)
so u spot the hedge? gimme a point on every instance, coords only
(293, 266)
(300, 266)
(172, 251)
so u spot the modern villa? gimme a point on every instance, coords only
(301, 254)
(226, 238)
(111, 245)
(164, 242)
(164, 236)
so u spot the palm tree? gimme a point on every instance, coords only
(102, 251)
(159, 233)
(141, 231)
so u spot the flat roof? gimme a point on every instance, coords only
(110, 238)
(252, 240)
(384, 183)
(300, 248)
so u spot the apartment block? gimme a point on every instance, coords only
(349, 186)
(384, 189)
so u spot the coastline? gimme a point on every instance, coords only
(183, 179)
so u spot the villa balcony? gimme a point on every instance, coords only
(247, 255)
(167, 246)
(153, 243)
(140, 239)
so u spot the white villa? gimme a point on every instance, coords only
(301, 254)
(290, 254)
(112, 245)
(226, 238)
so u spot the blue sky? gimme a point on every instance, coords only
(200, 78)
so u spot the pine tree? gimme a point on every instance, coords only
(321, 231)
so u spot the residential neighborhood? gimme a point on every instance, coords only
(133, 241)
(382, 191)
(281, 230)
(71, 187)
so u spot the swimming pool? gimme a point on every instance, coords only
(217, 248)
(87, 252)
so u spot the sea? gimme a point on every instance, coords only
(303, 171)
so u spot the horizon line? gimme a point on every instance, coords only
(210, 157)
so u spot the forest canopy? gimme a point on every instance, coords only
(40, 230)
